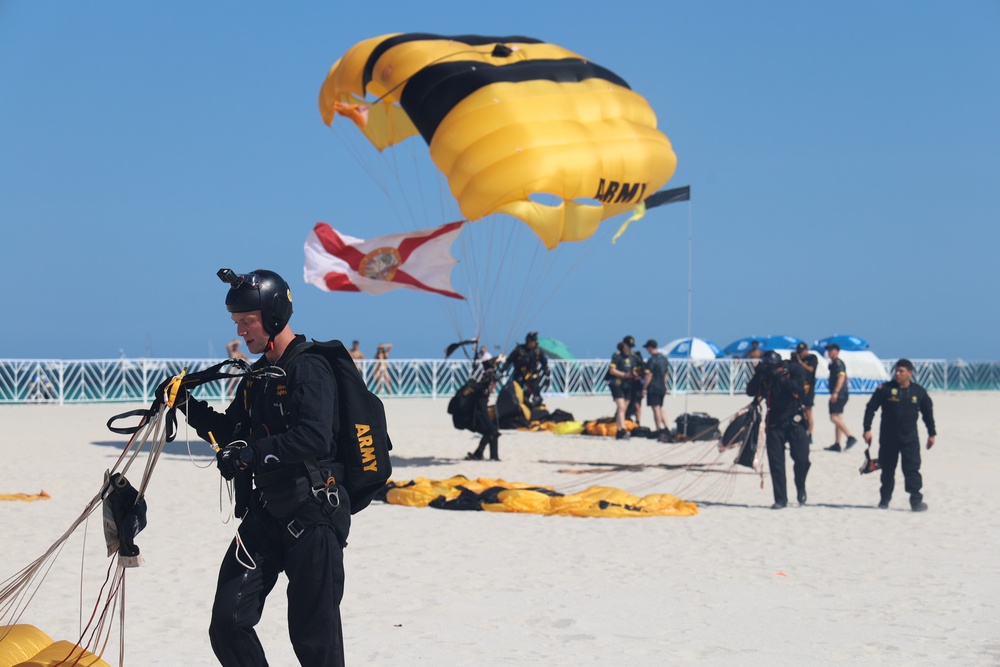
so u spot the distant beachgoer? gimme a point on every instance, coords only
(234, 351)
(382, 382)
(839, 393)
(754, 352)
(809, 362)
(782, 384)
(356, 353)
(900, 399)
(655, 379)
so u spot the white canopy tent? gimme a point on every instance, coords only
(865, 371)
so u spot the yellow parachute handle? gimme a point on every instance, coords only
(174, 386)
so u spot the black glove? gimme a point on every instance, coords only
(164, 387)
(778, 370)
(234, 459)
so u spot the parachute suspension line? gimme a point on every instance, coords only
(678, 463)
(99, 636)
(18, 591)
(357, 152)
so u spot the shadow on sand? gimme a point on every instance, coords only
(199, 449)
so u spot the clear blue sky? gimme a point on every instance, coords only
(844, 161)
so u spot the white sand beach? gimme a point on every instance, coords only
(837, 582)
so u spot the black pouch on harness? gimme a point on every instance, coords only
(283, 499)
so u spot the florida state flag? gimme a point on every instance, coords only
(418, 260)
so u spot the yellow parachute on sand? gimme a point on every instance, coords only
(509, 121)
(497, 495)
(26, 646)
(27, 497)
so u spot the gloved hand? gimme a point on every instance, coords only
(164, 389)
(778, 370)
(234, 459)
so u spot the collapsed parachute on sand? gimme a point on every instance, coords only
(508, 118)
(26, 646)
(497, 495)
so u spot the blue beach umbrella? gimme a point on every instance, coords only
(692, 348)
(739, 347)
(780, 343)
(846, 343)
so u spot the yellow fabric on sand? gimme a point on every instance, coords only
(518, 497)
(28, 497)
(27, 646)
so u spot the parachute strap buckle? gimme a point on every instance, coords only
(330, 492)
(295, 528)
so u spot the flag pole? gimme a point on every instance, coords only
(690, 292)
(690, 273)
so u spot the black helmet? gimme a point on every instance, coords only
(532, 336)
(771, 358)
(261, 290)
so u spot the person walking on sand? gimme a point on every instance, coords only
(839, 393)
(901, 400)
(275, 434)
(782, 385)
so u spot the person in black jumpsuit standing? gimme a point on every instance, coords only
(782, 385)
(901, 400)
(531, 369)
(278, 426)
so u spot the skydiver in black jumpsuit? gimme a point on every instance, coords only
(782, 385)
(531, 369)
(276, 426)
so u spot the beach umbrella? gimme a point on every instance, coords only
(740, 346)
(780, 343)
(692, 348)
(846, 343)
(555, 349)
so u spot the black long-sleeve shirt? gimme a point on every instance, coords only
(900, 407)
(526, 362)
(289, 419)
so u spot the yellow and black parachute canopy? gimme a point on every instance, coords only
(517, 125)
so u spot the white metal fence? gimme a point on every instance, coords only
(134, 380)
